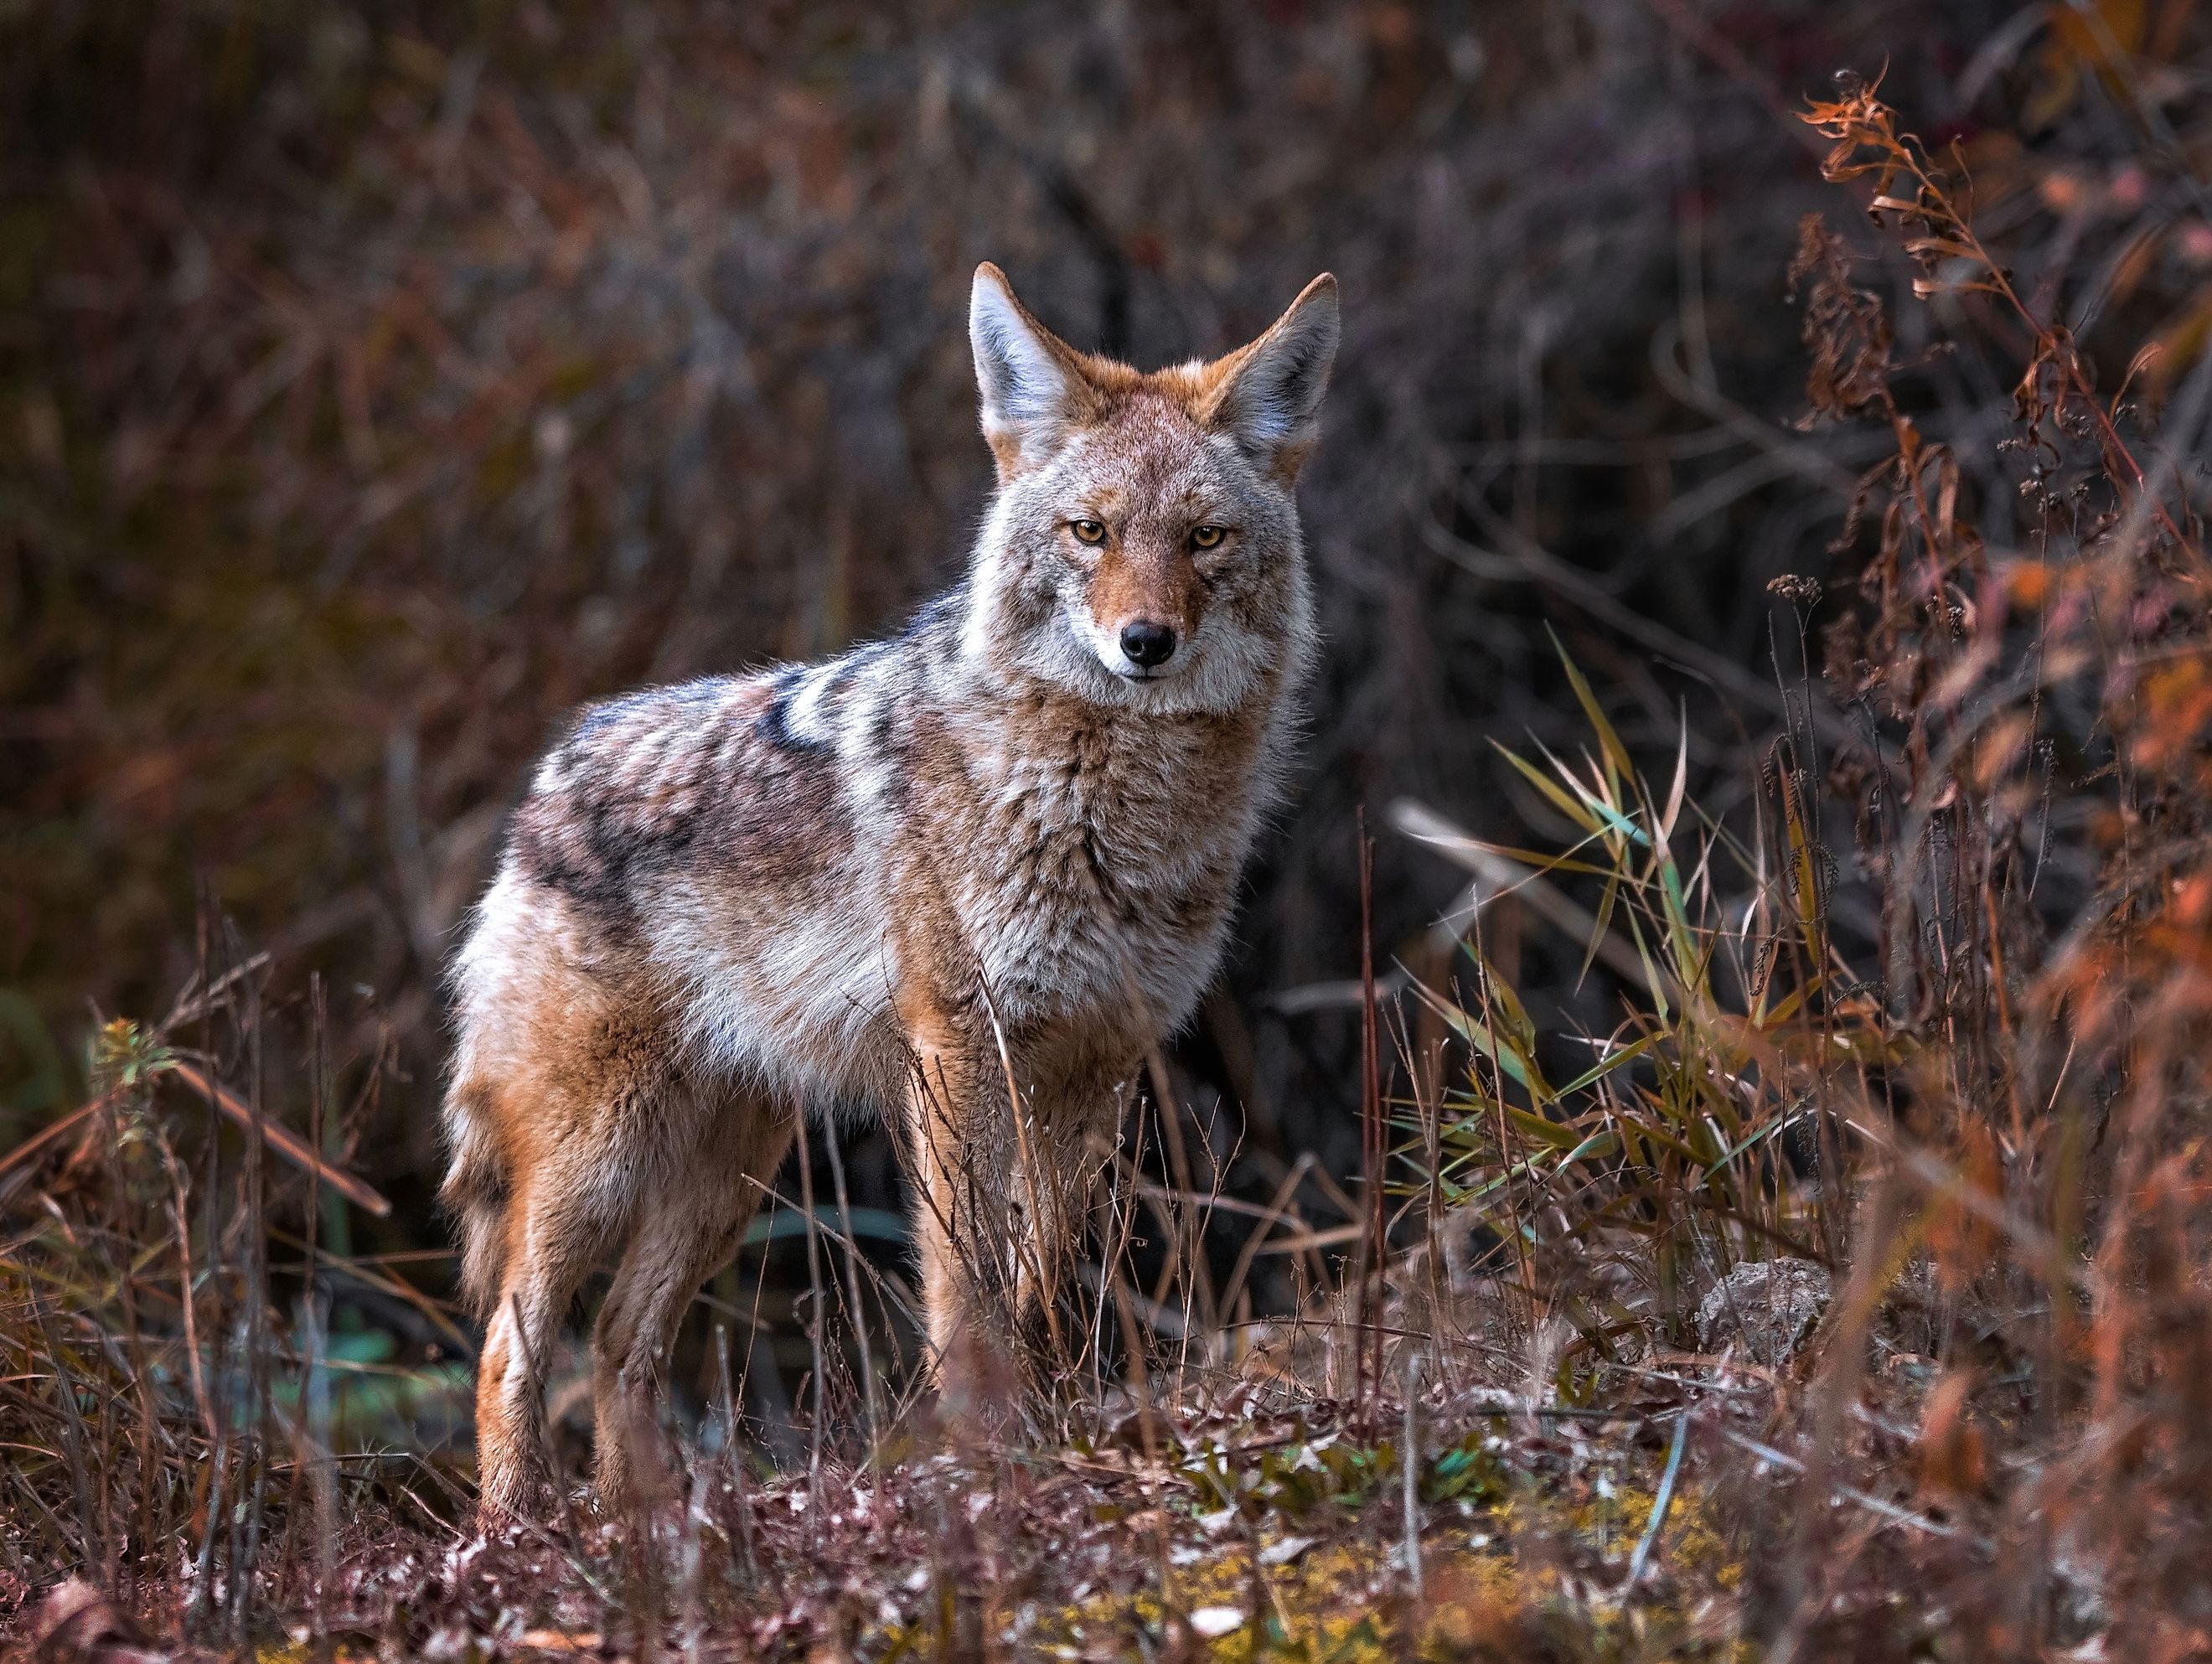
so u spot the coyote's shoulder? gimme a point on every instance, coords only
(988, 861)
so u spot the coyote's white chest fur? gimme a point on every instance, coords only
(967, 875)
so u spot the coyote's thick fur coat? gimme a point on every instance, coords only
(987, 863)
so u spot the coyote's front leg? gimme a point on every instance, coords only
(1000, 1182)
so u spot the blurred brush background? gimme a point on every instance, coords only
(379, 381)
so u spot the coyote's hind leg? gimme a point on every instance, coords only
(556, 1235)
(688, 1229)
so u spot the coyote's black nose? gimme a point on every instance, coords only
(1147, 644)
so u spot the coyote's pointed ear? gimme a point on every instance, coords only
(1030, 379)
(1269, 392)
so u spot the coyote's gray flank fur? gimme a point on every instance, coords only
(1003, 843)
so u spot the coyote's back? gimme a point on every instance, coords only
(989, 860)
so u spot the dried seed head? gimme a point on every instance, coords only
(1795, 587)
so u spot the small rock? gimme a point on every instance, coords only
(1764, 1309)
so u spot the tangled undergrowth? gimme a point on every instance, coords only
(1846, 1295)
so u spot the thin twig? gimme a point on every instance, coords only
(1660, 1503)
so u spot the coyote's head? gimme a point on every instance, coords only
(1143, 546)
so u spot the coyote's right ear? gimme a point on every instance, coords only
(1030, 379)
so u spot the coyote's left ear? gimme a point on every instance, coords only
(1030, 381)
(1269, 392)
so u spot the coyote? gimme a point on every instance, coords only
(964, 876)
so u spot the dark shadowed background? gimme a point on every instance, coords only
(379, 381)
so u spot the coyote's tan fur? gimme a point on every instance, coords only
(966, 877)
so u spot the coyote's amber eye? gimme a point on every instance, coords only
(1206, 537)
(1087, 532)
